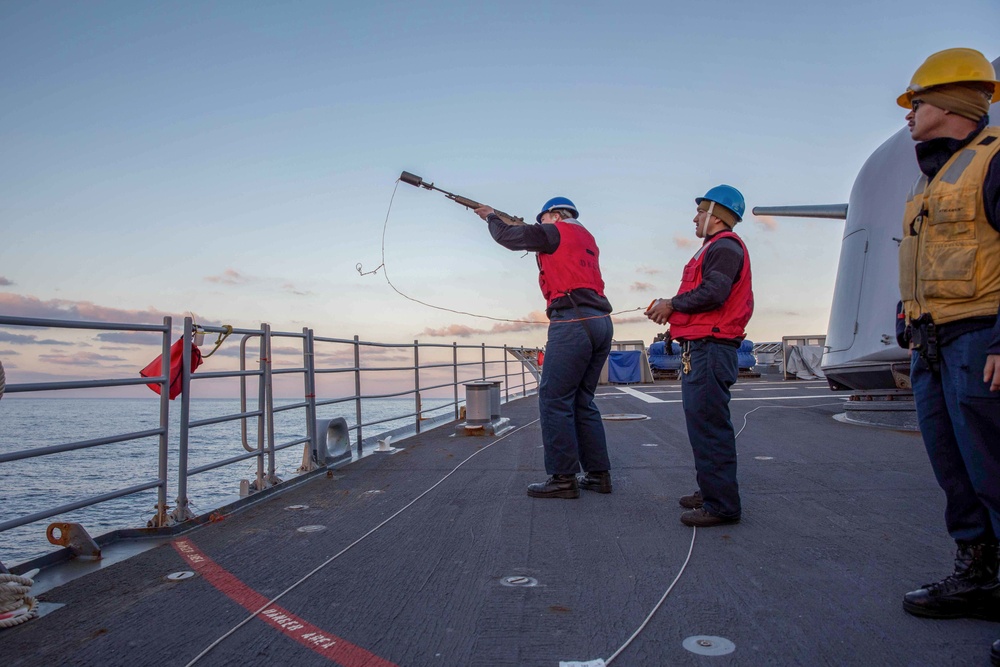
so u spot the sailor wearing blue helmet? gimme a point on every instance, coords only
(708, 316)
(578, 344)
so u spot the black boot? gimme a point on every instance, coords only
(995, 653)
(971, 592)
(692, 502)
(597, 480)
(556, 486)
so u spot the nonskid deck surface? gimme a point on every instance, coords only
(839, 521)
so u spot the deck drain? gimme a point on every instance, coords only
(519, 581)
(707, 645)
(179, 576)
(622, 417)
(311, 529)
(297, 507)
(764, 458)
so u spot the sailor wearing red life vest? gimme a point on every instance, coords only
(579, 340)
(709, 315)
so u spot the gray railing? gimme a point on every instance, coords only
(448, 365)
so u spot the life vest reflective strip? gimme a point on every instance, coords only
(949, 258)
(176, 368)
(574, 265)
(730, 320)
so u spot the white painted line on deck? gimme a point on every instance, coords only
(641, 396)
(651, 399)
(776, 389)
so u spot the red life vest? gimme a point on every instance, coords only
(574, 264)
(728, 321)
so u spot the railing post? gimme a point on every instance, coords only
(262, 418)
(524, 380)
(506, 382)
(309, 363)
(181, 512)
(484, 361)
(272, 478)
(161, 519)
(454, 372)
(357, 388)
(416, 381)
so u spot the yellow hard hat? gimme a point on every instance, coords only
(951, 66)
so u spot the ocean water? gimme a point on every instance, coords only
(41, 483)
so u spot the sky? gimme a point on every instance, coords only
(236, 160)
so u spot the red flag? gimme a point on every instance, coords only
(176, 367)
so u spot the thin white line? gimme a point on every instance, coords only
(345, 549)
(694, 534)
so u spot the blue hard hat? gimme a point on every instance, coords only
(557, 202)
(728, 196)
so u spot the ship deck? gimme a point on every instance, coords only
(414, 559)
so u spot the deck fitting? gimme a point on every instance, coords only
(311, 529)
(708, 645)
(519, 581)
(179, 576)
(297, 507)
(621, 417)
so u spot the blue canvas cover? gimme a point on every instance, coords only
(623, 366)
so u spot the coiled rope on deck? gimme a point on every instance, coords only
(3, 383)
(16, 606)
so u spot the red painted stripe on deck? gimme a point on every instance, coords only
(329, 646)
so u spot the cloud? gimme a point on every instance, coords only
(17, 305)
(9, 353)
(4, 282)
(641, 287)
(130, 338)
(631, 319)
(290, 288)
(229, 277)
(648, 270)
(27, 339)
(686, 242)
(766, 222)
(456, 330)
(79, 358)
(534, 320)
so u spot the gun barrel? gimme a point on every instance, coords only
(832, 211)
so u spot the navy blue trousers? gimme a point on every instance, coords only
(705, 395)
(572, 430)
(960, 422)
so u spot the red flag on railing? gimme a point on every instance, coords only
(176, 367)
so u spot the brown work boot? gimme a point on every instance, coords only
(556, 486)
(700, 518)
(972, 591)
(598, 480)
(693, 501)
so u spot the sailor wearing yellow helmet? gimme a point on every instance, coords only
(949, 281)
